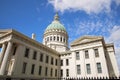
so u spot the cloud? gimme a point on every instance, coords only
(115, 34)
(117, 2)
(89, 6)
(90, 27)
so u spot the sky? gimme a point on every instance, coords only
(80, 17)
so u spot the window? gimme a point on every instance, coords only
(54, 38)
(51, 72)
(47, 38)
(32, 69)
(47, 58)
(24, 67)
(86, 54)
(78, 69)
(61, 72)
(96, 52)
(40, 70)
(15, 48)
(99, 69)
(64, 39)
(52, 60)
(41, 57)
(55, 72)
(67, 62)
(57, 38)
(77, 56)
(50, 38)
(56, 62)
(67, 72)
(34, 55)
(46, 71)
(27, 52)
(61, 39)
(88, 68)
(61, 62)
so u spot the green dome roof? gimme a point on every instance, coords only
(56, 24)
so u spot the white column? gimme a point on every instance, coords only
(2, 53)
(5, 59)
(83, 68)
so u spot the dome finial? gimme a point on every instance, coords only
(56, 17)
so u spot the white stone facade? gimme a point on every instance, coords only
(23, 56)
(93, 60)
(88, 56)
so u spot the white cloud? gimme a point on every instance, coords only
(89, 6)
(115, 34)
(91, 27)
(117, 2)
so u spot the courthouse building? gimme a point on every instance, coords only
(88, 56)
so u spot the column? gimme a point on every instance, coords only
(2, 53)
(5, 59)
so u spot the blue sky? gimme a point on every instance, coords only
(80, 17)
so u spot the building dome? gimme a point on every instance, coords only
(55, 35)
(55, 25)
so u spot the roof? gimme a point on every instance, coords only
(86, 39)
(6, 32)
(55, 24)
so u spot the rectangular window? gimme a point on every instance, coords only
(67, 72)
(61, 62)
(86, 54)
(47, 58)
(55, 72)
(67, 62)
(96, 52)
(56, 62)
(27, 52)
(34, 55)
(88, 68)
(32, 69)
(52, 60)
(51, 72)
(99, 69)
(24, 67)
(78, 69)
(46, 71)
(77, 56)
(15, 48)
(41, 57)
(40, 70)
(61, 72)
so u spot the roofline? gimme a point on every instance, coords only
(14, 32)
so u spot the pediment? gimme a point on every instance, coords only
(4, 32)
(85, 39)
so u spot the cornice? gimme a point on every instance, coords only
(55, 33)
(22, 37)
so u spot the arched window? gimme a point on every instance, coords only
(57, 38)
(64, 40)
(61, 38)
(50, 38)
(54, 38)
(47, 38)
